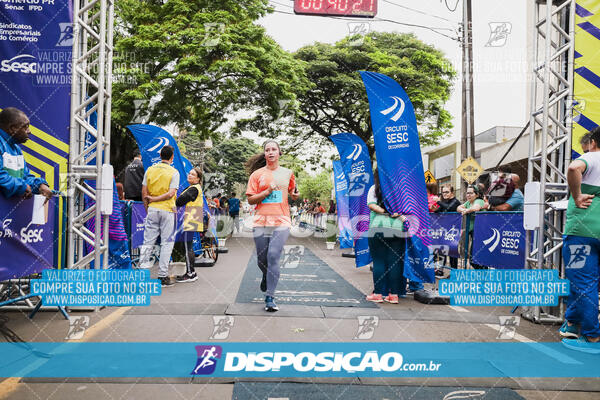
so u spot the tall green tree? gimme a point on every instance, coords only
(336, 101)
(229, 157)
(316, 187)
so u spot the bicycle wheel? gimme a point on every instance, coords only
(209, 247)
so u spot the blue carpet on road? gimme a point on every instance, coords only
(305, 280)
(307, 391)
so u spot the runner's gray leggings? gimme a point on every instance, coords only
(269, 246)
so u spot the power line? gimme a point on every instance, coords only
(455, 6)
(281, 4)
(435, 30)
(420, 12)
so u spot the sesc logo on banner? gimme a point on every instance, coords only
(24, 64)
(508, 240)
(499, 240)
(396, 135)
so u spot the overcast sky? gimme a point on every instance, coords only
(500, 78)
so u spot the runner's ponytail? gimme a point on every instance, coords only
(258, 161)
(255, 162)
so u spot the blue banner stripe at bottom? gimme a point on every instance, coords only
(222, 359)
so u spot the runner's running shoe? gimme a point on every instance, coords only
(566, 331)
(187, 277)
(582, 344)
(270, 305)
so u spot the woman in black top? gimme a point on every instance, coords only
(448, 202)
(193, 221)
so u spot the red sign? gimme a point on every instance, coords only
(348, 8)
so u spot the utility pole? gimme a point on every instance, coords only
(468, 131)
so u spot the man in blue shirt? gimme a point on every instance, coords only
(514, 203)
(233, 205)
(15, 177)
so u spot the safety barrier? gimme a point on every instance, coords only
(30, 248)
(315, 221)
(495, 239)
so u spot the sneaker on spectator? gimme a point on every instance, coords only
(582, 344)
(566, 331)
(187, 277)
(392, 299)
(375, 298)
(165, 281)
(270, 305)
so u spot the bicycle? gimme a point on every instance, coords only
(209, 247)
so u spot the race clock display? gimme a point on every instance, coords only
(346, 8)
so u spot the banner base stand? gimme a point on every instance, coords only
(430, 297)
(222, 250)
(84, 308)
(204, 262)
(349, 255)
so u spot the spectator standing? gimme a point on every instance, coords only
(513, 203)
(294, 214)
(120, 193)
(233, 208)
(501, 188)
(217, 201)
(473, 204)
(585, 142)
(210, 202)
(319, 212)
(432, 197)
(159, 187)
(134, 176)
(332, 208)
(581, 251)
(193, 221)
(387, 246)
(448, 203)
(224, 203)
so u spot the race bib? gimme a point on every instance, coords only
(275, 197)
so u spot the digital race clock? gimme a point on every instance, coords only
(348, 8)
